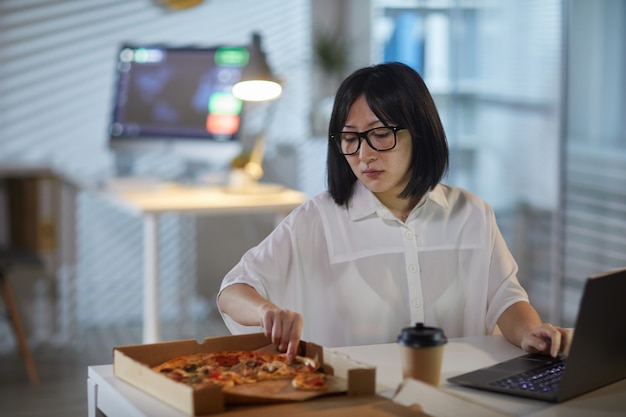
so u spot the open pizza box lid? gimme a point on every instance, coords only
(133, 364)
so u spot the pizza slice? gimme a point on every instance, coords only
(315, 381)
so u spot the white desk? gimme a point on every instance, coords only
(466, 354)
(153, 201)
(116, 398)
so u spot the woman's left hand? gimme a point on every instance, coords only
(547, 339)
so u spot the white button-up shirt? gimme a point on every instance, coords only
(358, 275)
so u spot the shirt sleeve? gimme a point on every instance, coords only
(504, 288)
(269, 266)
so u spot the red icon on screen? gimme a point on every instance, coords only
(222, 124)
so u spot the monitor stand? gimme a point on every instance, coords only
(126, 179)
(124, 164)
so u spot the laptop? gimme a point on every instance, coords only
(597, 355)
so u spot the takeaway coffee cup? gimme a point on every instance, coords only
(421, 350)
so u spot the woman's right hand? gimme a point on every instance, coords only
(283, 328)
(247, 307)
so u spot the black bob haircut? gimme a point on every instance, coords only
(398, 96)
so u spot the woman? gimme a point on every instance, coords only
(387, 245)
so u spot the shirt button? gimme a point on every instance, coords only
(408, 235)
(416, 303)
(412, 268)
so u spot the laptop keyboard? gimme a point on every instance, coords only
(545, 379)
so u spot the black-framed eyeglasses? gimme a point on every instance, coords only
(379, 138)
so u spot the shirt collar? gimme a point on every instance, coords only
(364, 203)
(438, 196)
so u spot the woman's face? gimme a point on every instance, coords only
(386, 173)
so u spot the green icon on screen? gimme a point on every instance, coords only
(232, 56)
(224, 103)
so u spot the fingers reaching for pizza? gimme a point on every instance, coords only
(284, 329)
(231, 368)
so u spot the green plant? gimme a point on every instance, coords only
(331, 54)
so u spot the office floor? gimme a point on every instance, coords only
(63, 370)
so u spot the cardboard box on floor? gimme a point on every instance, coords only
(133, 364)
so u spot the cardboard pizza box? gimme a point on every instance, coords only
(133, 364)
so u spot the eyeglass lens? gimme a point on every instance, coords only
(380, 139)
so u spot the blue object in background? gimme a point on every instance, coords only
(406, 45)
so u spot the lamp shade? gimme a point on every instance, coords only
(257, 82)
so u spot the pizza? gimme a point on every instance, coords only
(230, 368)
(310, 381)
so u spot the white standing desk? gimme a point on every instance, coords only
(113, 397)
(155, 200)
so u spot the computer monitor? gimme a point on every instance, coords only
(178, 99)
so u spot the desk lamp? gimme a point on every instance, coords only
(257, 84)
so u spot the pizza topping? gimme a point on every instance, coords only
(299, 362)
(273, 366)
(176, 376)
(226, 361)
(190, 368)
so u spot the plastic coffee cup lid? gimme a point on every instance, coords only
(422, 336)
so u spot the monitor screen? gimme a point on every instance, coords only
(168, 96)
